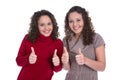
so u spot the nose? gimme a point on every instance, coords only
(46, 27)
(75, 23)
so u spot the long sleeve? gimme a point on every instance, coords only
(22, 57)
(59, 46)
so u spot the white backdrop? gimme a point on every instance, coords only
(14, 24)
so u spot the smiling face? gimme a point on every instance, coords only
(45, 25)
(76, 22)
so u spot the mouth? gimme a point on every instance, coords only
(47, 31)
(76, 28)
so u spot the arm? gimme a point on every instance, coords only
(100, 63)
(59, 46)
(65, 59)
(66, 66)
(22, 57)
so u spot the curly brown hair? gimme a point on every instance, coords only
(88, 30)
(34, 31)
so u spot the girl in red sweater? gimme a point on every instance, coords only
(41, 50)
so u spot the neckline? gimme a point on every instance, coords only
(44, 38)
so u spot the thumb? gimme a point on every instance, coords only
(65, 51)
(32, 49)
(79, 51)
(55, 53)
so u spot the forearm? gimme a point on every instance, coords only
(96, 65)
(57, 68)
(66, 66)
(22, 60)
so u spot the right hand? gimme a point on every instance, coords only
(55, 58)
(80, 59)
(65, 56)
(32, 57)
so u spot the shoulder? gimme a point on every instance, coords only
(58, 44)
(25, 37)
(58, 41)
(24, 40)
(65, 42)
(64, 39)
(98, 40)
(97, 36)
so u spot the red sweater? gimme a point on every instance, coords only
(44, 49)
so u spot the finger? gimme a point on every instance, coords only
(55, 53)
(65, 51)
(32, 55)
(32, 49)
(79, 51)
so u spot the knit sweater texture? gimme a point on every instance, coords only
(44, 48)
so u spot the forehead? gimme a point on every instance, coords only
(75, 15)
(44, 18)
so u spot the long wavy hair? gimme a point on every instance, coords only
(34, 31)
(88, 29)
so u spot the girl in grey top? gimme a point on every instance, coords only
(84, 51)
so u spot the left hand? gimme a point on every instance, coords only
(65, 56)
(80, 57)
(55, 59)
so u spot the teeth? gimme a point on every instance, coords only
(75, 28)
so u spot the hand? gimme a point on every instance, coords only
(32, 57)
(55, 58)
(80, 57)
(65, 56)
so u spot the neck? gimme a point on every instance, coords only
(44, 38)
(76, 37)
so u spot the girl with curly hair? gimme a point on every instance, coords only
(84, 51)
(41, 49)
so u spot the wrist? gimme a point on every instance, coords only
(65, 63)
(85, 60)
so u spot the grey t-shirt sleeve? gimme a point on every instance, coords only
(64, 42)
(98, 40)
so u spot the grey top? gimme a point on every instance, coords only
(82, 72)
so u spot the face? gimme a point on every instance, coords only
(45, 25)
(76, 22)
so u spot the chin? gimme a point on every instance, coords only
(47, 35)
(77, 32)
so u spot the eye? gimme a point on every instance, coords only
(70, 21)
(50, 23)
(41, 24)
(78, 20)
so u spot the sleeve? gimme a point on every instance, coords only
(98, 40)
(59, 46)
(67, 47)
(64, 42)
(22, 57)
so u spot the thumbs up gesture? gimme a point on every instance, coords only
(55, 58)
(65, 56)
(80, 57)
(32, 57)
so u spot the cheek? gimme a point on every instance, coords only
(70, 26)
(40, 29)
(51, 27)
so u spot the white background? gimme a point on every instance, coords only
(14, 23)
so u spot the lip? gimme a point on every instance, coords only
(76, 28)
(47, 32)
